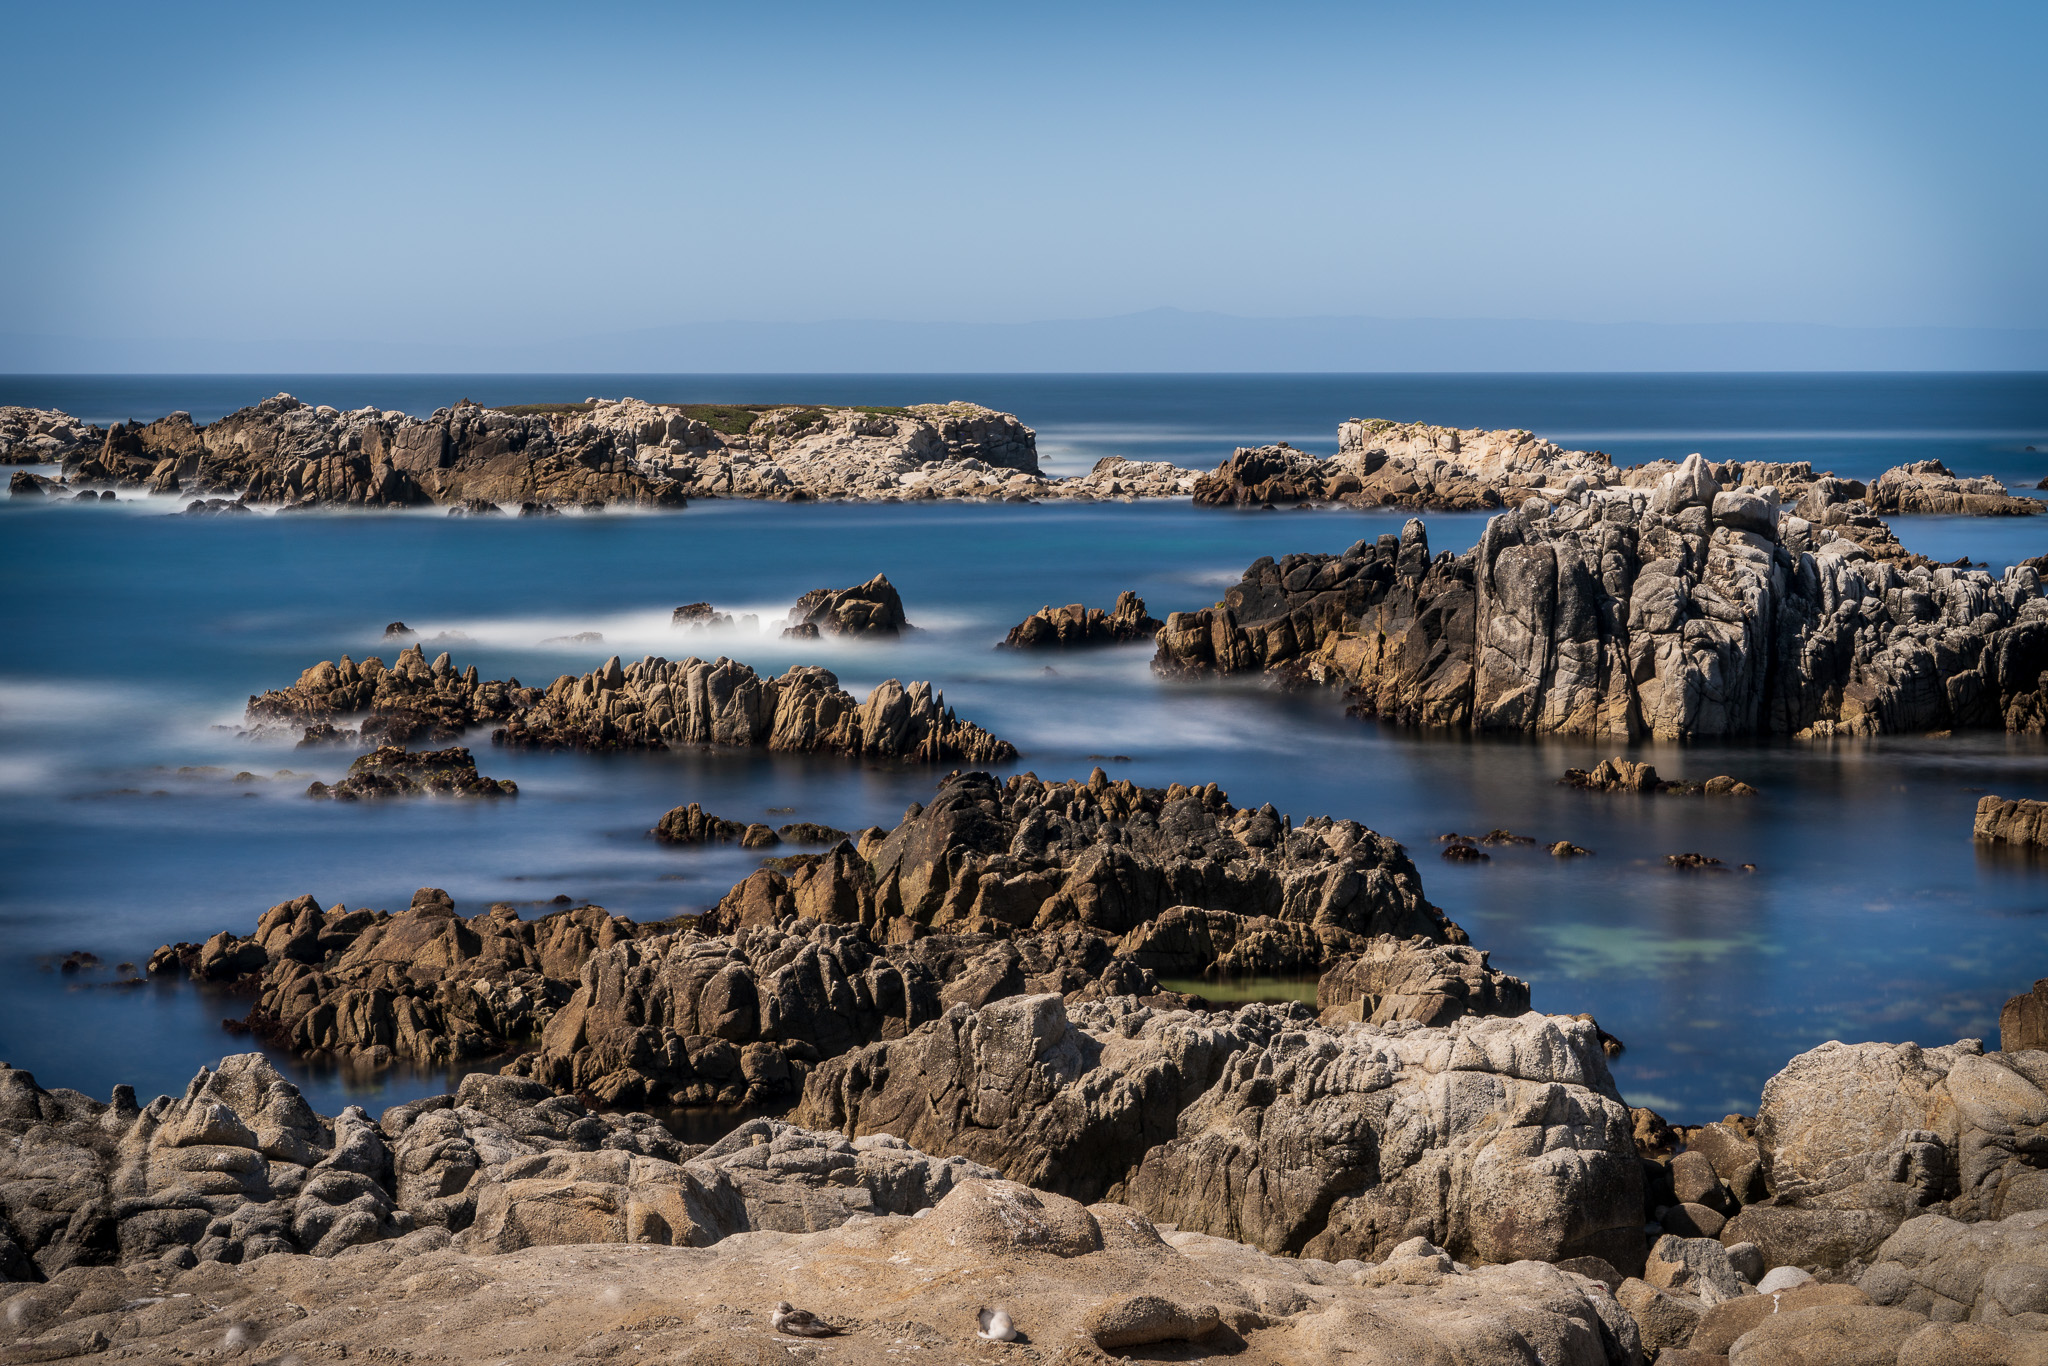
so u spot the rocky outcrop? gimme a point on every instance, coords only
(651, 704)
(2017, 820)
(872, 609)
(1065, 1101)
(32, 436)
(283, 451)
(656, 704)
(1381, 463)
(1206, 1121)
(425, 983)
(410, 700)
(1002, 856)
(2023, 1022)
(1684, 613)
(394, 771)
(1075, 1282)
(1416, 980)
(1072, 625)
(1625, 775)
(28, 484)
(1928, 486)
(1496, 1139)
(1855, 1139)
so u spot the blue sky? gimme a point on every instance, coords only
(432, 173)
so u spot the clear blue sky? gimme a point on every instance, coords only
(453, 173)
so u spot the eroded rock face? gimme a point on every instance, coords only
(1075, 625)
(2002, 820)
(394, 771)
(650, 704)
(1496, 1139)
(1416, 980)
(1681, 613)
(1062, 1101)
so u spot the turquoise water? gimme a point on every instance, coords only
(132, 641)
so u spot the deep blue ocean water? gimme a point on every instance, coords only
(132, 641)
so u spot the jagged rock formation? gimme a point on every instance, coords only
(654, 704)
(2015, 820)
(1381, 463)
(410, 700)
(424, 984)
(995, 857)
(873, 609)
(1625, 775)
(1498, 1139)
(1072, 625)
(651, 704)
(1685, 613)
(1928, 486)
(283, 451)
(394, 771)
(32, 436)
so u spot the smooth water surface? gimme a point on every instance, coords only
(132, 641)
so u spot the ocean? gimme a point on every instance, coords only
(133, 640)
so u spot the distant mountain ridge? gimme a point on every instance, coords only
(1163, 340)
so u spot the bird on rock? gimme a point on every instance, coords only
(996, 1326)
(799, 1323)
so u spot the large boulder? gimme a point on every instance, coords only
(1496, 1139)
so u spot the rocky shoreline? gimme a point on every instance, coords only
(963, 1018)
(539, 459)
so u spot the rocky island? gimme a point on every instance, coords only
(1679, 612)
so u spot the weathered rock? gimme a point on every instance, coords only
(1382, 463)
(651, 704)
(1994, 1272)
(2023, 1023)
(1413, 979)
(1857, 1139)
(394, 771)
(1076, 625)
(2012, 821)
(872, 609)
(1928, 486)
(1498, 1139)
(1065, 1102)
(282, 451)
(1630, 616)
(30, 436)
(891, 1283)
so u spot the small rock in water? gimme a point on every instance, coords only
(397, 628)
(1566, 849)
(1693, 861)
(1466, 853)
